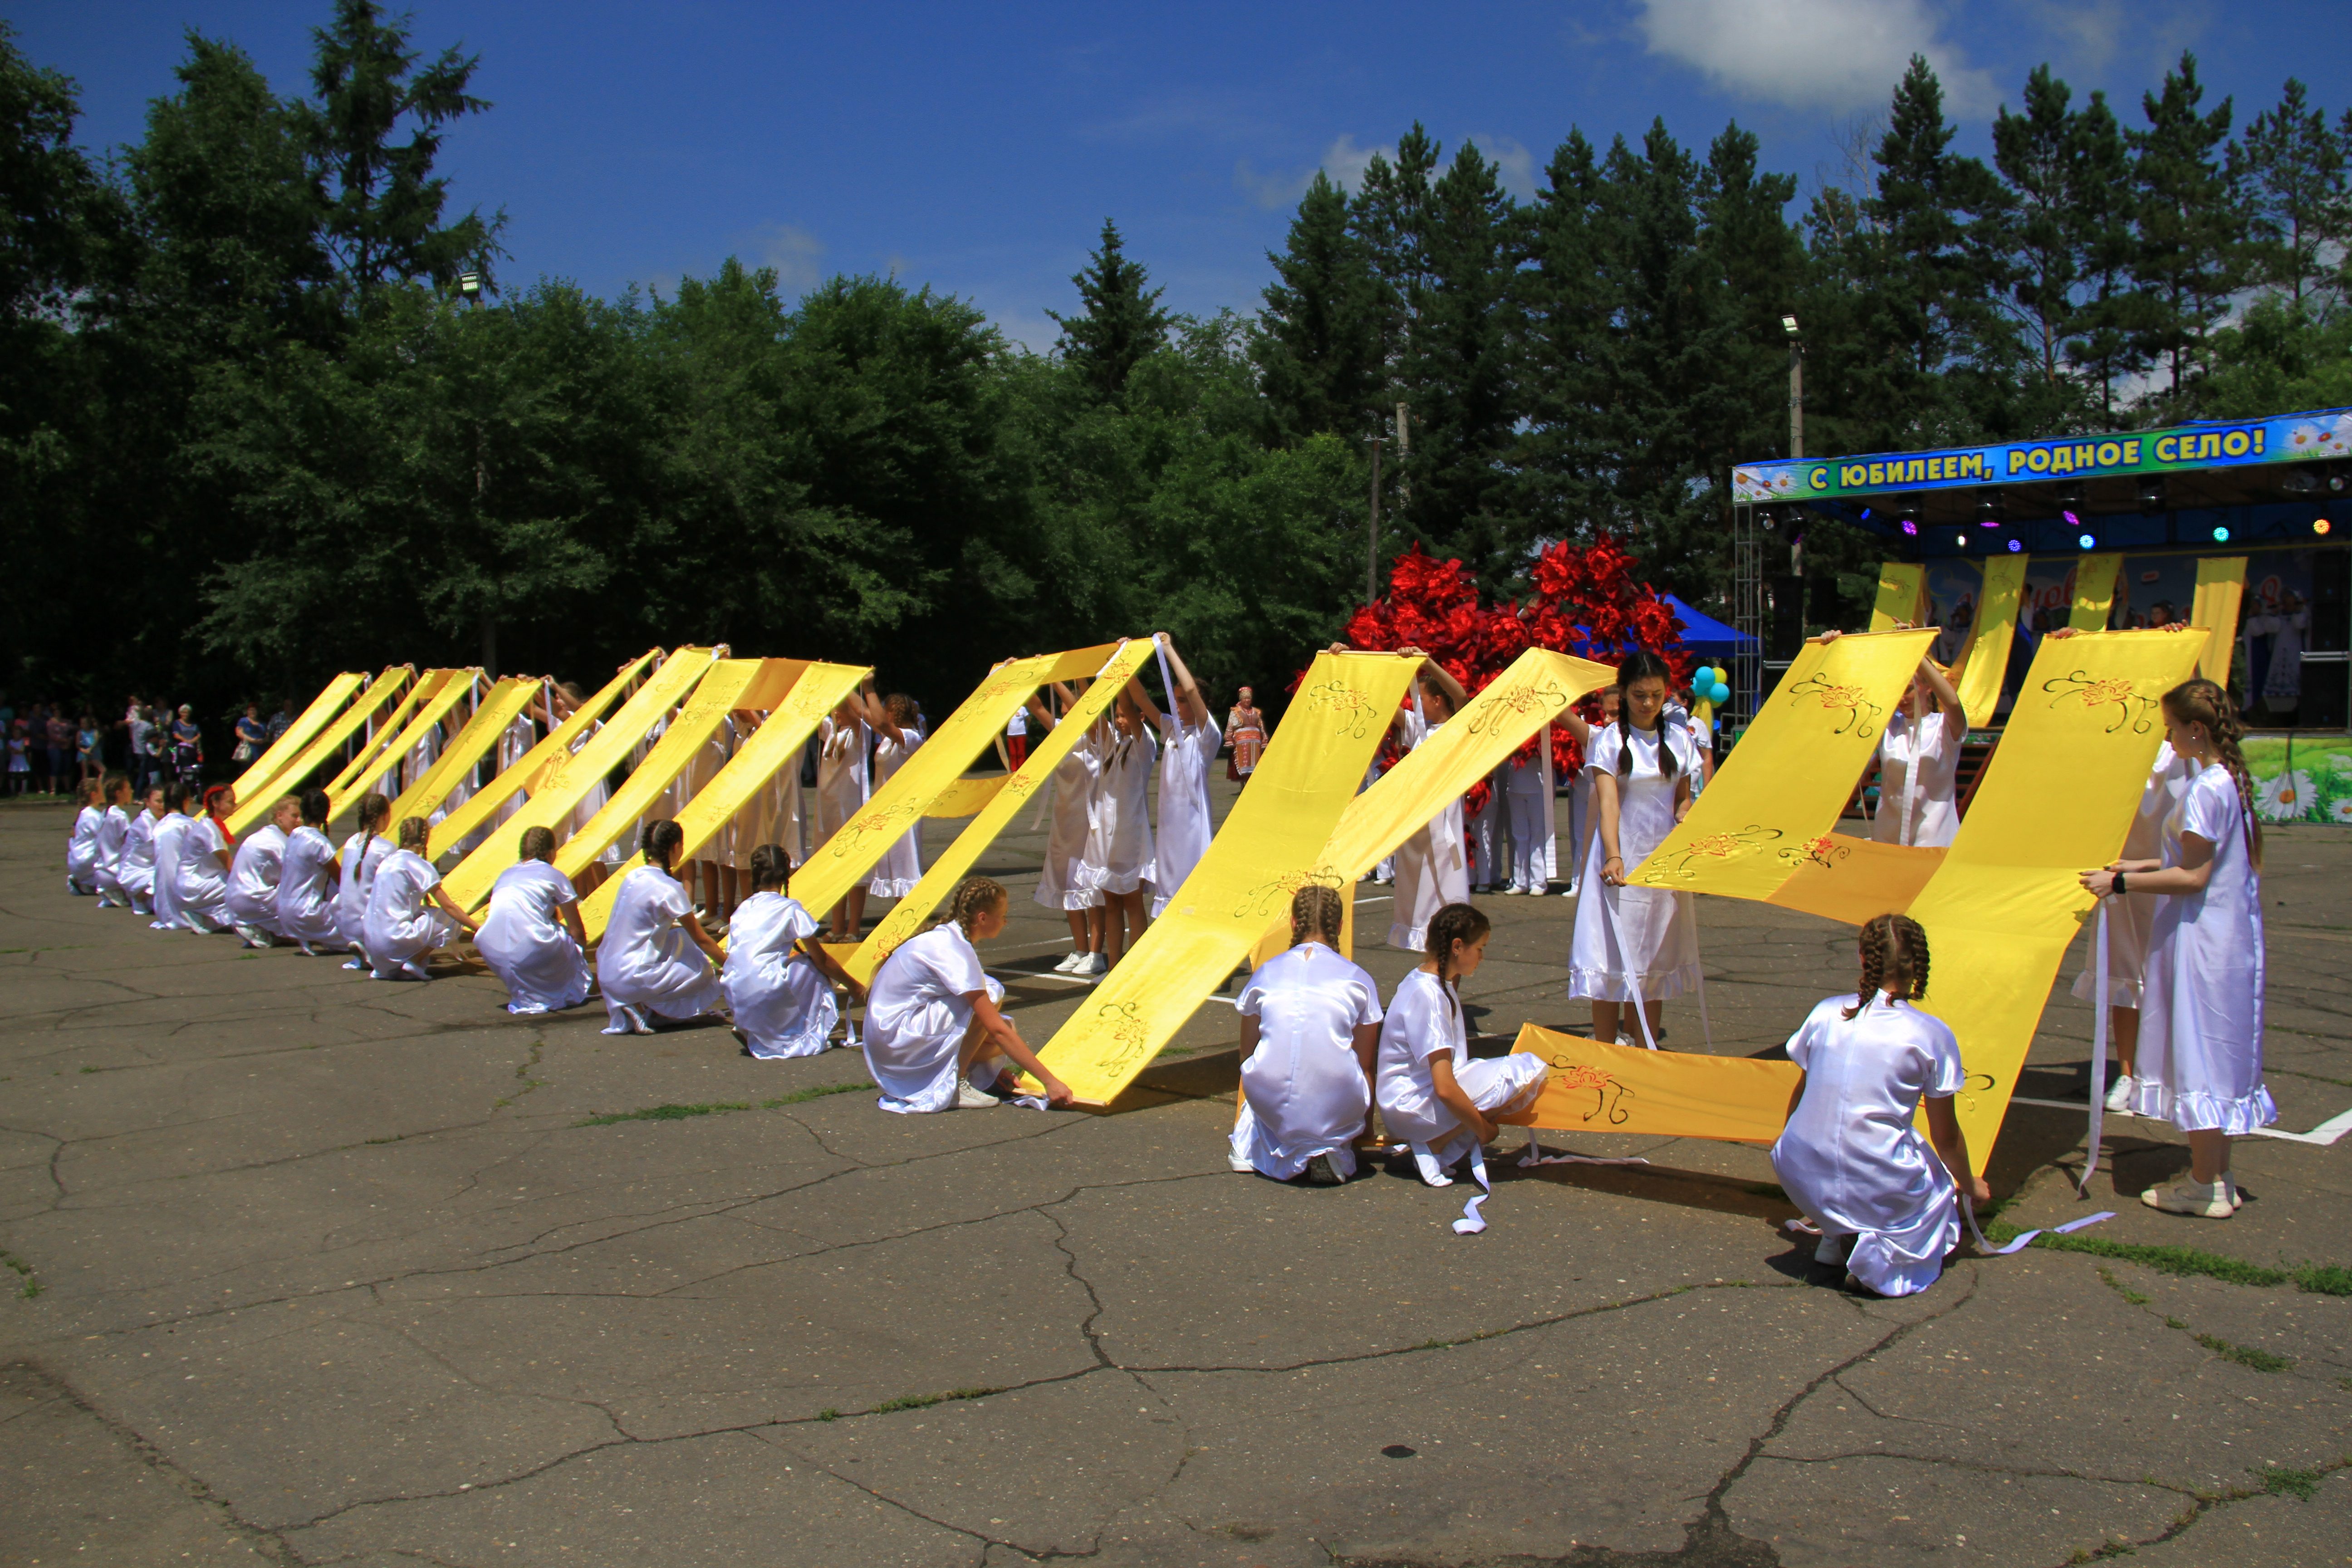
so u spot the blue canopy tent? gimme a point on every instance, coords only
(1706, 636)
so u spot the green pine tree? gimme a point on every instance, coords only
(2192, 225)
(2292, 167)
(1123, 321)
(1317, 345)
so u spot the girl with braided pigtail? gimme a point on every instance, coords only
(1433, 1097)
(655, 961)
(1851, 1159)
(2200, 1027)
(935, 1039)
(1310, 1031)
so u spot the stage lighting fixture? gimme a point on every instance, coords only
(2152, 494)
(1961, 540)
(2298, 482)
(1910, 526)
(2320, 526)
(1988, 509)
(2015, 546)
(2221, 536)
(2087, 541)
(1788, 325)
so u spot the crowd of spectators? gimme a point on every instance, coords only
(53, 752)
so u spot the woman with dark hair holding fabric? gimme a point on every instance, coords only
(778, 977)
(1634, 943)
(646, 964)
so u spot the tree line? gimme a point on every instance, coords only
(268, 407)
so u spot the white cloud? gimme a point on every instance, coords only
(2092, 29)
(1345, 163)
(1831, 54)
(1515, 166)
(797, 255)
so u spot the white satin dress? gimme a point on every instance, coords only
(1119, 857)
(363, 853)
(306, 889)
(1060, 885)
(916, 1015)
(1433, 867)
(1424, 1022)
(1302, 1089)
(782, 1002)
(253, 883)
(2129, 920)
(171, 838)
(647, 961)
(1184, 828)
(202, 887)
(403, 924)
(1634, 941)
(525, 942)
(137, 869)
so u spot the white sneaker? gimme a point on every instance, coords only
(1832, 1250)
(2119, 1095)
(2204, 1200)
(969, 1098)
(1096, 964)
(2229, 1185)
(1513, 892)
(1071, 962)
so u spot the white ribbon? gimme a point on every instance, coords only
(1472, 1222)
(1536, 1156)
(2099, 1015)
(1987, 1247)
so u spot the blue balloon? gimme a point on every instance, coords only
(1718, 693)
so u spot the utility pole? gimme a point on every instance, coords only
(469, 288)
(1404, 458)
(1372, 534)
(1796, 389)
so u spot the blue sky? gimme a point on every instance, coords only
(978, 148)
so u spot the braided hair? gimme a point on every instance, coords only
(2203, 702)
(659, 842)
(772, 866)
(973, 897)
(538, 844)
(414, 833)
(1464, 923)
(1316, 914)
(317, 806)
(1640, 665)
(1894, 947)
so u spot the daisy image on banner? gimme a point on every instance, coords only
(2286, 798)
(2342, 810)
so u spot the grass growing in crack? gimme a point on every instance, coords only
(522, 1074)
(31, 1287)
(2280, 1481)
(2319, 1279)
(2245, 1355)
(665, 1113)
(924, 1401)
(93, 1069)
(828, 1413)
(803, 1096)
(2112, 1549)
(2107, 1278)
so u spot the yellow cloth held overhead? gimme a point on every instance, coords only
(795, 694)
(367, 758)
(2095, 591)
(500, 707)
(299, 734)
(568, 782)
(1983, 660)
(1769, 811)
(1271, 845)
(2004, 904)
(527, 775)
(2221, 584)
(842, 861)
(365, 707)
(437, 698)
(1590, 1087)
(1854, 879)
(720, 692)
(1902, 589)
(965, 797)
(1009, 795)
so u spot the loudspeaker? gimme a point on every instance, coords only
(1787, 635)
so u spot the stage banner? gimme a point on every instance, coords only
(289, 779)
(298, 735)
(1271, 845)
(1902, 588)
(842, 861)
(570, 780)
(2095, 590)
(2004, 904)
(526, 774)
(2221, 584)
(1983, 660)
(1854, 879)
(368, 758)
(501, 705)
(794, 693)
(1010, 795)
(967, 797)
(1776, 798)
(1594, 1088)
(455, 686)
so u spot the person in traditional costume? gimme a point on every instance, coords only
(254, 874)
(403, 924)
(171, 838)
(114, 831)
(1190, 740)
(307, 881)
(897, 731)
(842, 737)
(1058, 884)
(363, 852)
(136, 869)
(205, 856)
(81, 845)
(1118, 859)
(1433, 867)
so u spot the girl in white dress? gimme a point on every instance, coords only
(1118, 861)
(1059, 886)
(82, 848)
(1433, 867)
(1190, 741)
(1634, 941)
(113, 829)
(709, 884)
(1310, 1030)
(896, 735)
(779, 982)
(532, 936)
(933, 1032)
(170, 836)
(1582, 818)
(1431, 1096)
(841, 789)
(307, 881)
(568, 698)
(202, 886)
(1920, 762)
(1528, 798)
(1851, 1157)
(401, 927)
(2200, 1043)
(136, 871)
(647, 964)
(363, 853)
(254, 874)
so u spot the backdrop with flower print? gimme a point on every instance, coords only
(2300, 778)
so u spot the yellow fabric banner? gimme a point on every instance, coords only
(966, 798)
(1271, 845)
(1011, 793)
(2095, 590)
(368, 759)
(1984, 659)
(1775, 799)
(365, 707)
(298, 735)
(1594, 1088)
(526, 774)
(573, 776)
(842, 861)
(1855, 879)
(454, 687)
(718, 693)
(2000, 910)
(500, 707)
(2221, 584)
(1901, 587)
(795, 694)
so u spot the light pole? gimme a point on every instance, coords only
(469, 287)
(1796, 388)
(1372, 532)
